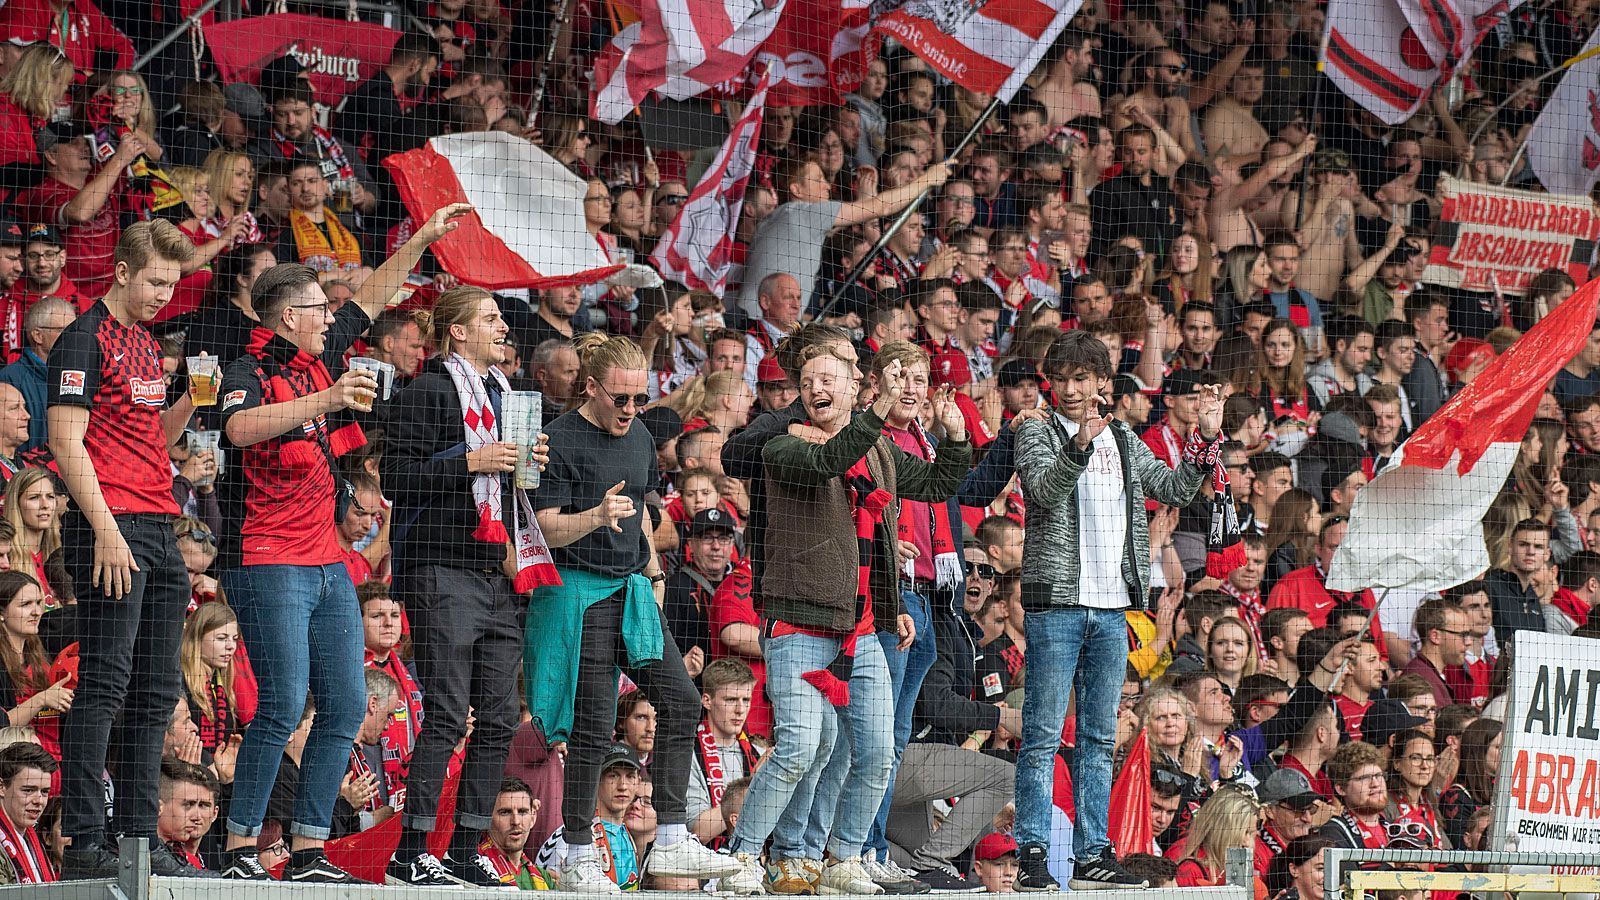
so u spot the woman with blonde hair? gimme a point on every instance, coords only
(118, 104)
(233, 186)
(33, 509)
(207, 657)
(1227, 820)
(29, 94)
(603, 614)
(1167, 718)
(193, 218)
(722, 399)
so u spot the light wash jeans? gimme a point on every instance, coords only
(803, 730)
(1087, 650)
(907, 669)
(856, 780)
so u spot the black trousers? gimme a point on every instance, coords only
(594, 717)
(466, 626)
(127, 665)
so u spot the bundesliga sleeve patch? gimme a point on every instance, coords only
(234, 398)
(72, 381)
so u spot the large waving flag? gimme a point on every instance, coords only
(527, 229)
(1564, 145)
(1419, 524)
(697, 247)
(986, 46)
(678, 49)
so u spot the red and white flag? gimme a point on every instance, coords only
(697, 248)
(678, 49)
(986, 46)
(1564, 146)
(1419, 524)
(527, 229)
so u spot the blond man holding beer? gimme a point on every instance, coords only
(284, 573)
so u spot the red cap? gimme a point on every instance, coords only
(950, 367)
(994, 845)
(769, 372)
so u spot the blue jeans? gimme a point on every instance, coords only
(1087, 649)
(803, 730)
(907, 669)
(856, 780)
(303, 627)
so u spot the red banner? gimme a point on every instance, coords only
(1488, 235)
(337, 54)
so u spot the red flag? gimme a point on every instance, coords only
(986, 46)
(1129, 825)
(338, 55)
(815, 52)
(697, 248)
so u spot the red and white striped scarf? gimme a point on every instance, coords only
(535, 566)
(26, 851)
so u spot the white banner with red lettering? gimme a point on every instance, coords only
(986, 46)
(338, 55)
(1488, 233)
(1549, 778)
(697, 248)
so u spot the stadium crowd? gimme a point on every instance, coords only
(850, 572)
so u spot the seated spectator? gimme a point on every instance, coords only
(1225, 821)
(317, 235)
(31, 506)
(994, 863)
(207, 658)
(15, 420)
(27, 693)
(506, 839)
(85, 200)
(1157, 871)
(382, 621)
(42, 324)
(1356, 772)
(1292, 808)
(619, 857)
(1412, 798)
(25, 773)
(364, 799)
(198, 547)
(724, 753)
(296, 137)
(1297, 872)
(34, 85)
(188, 808)
(1281, 630)
(636, 724)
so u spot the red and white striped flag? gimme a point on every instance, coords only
(527, 228)
(1419, 524)
(986, 46)
(678, 49)
(1564, 145)
(697, 248)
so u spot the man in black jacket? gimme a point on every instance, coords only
(457, 514)
(1136, 202)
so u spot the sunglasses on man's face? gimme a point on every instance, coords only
(982, 570)
(639, 401)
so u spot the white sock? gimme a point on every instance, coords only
(667, 835)
(576, 852)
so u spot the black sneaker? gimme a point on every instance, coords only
(244, 864)
(1103, 874)
(476, 871)
(424, 871)
(89, 861)
(317, 870)
(946, 880)
(1033, 869)
(167, 864)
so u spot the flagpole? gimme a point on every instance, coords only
(1312, 124)
(905, 214)
(556, 33)
(1494, 114)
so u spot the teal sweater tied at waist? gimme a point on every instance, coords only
(554, 633)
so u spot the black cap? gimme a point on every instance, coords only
(11, 234)
(1181, 383)
(663, 423)
(1124, 386)
(1386, 718)
(1288, 787)
(44, 234)
(620, 755)
(1016, 371)
(709, 520)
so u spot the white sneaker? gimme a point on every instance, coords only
(689, 858)
(887, 874)
(747, 881)
(848, 877)
(586, 877)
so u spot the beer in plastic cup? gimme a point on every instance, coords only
(205, 377)
(381, 371)
(521, 415)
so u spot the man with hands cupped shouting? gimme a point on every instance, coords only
(1086, 561)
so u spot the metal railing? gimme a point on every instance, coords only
(1339, 857)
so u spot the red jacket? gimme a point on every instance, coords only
(87, 32)
(1304, 589)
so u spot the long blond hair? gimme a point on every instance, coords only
(1225, 821)
(145, 121)
(50, 540)
(38, 80)
(219, 168)
(196, 674)
(187, 180)
(698, 397)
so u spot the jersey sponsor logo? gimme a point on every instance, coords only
(151, 392)
(234, 398)
(72, 381)
(991, 684)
